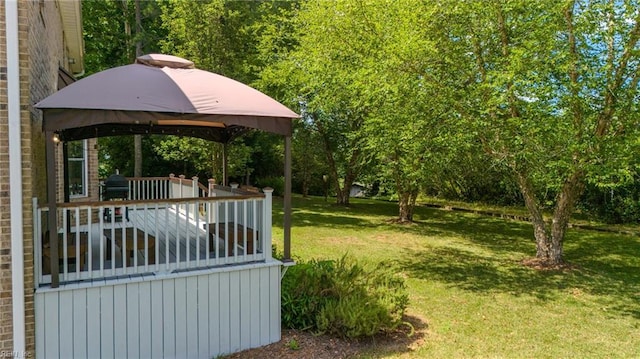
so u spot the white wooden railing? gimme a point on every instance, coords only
(176, 231)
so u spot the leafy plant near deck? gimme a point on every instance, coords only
(342, 298)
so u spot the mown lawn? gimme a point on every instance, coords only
(468, 286)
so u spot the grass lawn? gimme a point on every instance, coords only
(466, 283)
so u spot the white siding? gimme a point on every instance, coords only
(190, 315)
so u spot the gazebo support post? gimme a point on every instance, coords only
(287, 199)
(65, 171)
(52, 221)
(225, 167)
(65, 179)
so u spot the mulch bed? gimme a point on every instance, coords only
(300, 344)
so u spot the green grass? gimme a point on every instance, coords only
(467, 285)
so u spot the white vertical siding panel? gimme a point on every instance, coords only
(157, 318)
(214, 314)
(234, 311)
(40, 308)
(144, 307)
(120, 313)
(274, 299)
(106, 322)
(245, 309)
(52, 329)
(265, 306)
(203, 316)
(133, 320)
(254, 308)
(200, 316)
(169, 323)
(65, 310)
(93, 323)
(181, 317)
(193, 316)
(80, 323)
(223, 313)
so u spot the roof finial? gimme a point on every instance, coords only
(161, 60)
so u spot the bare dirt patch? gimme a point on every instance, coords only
(302, 345)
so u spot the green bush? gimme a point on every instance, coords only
(342, 298)
(277, 183)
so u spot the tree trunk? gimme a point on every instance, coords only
(406, 206)
(540, 233)
(549, 241)
(342, 192)
(567, 198)
(342, 195)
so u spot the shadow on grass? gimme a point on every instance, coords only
(473, 272)
(485, 253)
(610, 264)
(314, 212)
(606, 266)
(497, 235)
(409, 336)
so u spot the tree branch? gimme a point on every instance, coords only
(576, 108)
(604, 118)
(504, 40)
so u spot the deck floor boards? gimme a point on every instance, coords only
(163, 227)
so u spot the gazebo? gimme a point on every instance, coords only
(179, 235)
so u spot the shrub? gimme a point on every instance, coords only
(342, 298)
(304, 289)
(277, 183)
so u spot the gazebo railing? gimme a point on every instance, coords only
(107, 239)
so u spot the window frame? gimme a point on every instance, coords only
(85, 170)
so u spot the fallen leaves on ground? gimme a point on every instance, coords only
(297, 344)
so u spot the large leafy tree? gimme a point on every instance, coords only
(317, 69)
(408, 125)
(551, 92)
(360, 70)
(220, 36)
(114, 30)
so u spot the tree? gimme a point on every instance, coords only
(304, 71)
(109, 42)
(551, 92)
(407, 127)
(218, 36)
(359, 70)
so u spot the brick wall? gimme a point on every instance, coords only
(41, 53)
(46, 53)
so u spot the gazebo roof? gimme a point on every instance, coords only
(162, 94)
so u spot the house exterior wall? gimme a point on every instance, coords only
(41, 53)
(6, 305)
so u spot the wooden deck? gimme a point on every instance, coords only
(171, 236)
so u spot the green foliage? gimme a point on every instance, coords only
(613, 205)
(110, 34)
(303, 288)
(275, 182)
(293, 344)
(342, 298)
(444, 98)
(115, 153)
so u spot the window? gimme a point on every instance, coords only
(77, 165)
